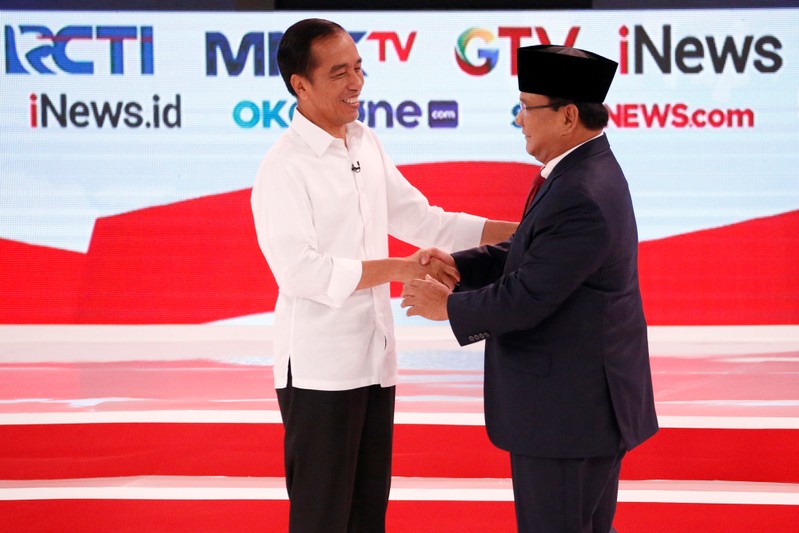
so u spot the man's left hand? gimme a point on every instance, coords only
(426, 297)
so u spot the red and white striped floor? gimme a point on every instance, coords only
(175, 428)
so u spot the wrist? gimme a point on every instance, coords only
(405, 268)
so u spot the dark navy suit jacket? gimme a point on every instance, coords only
(566, 358)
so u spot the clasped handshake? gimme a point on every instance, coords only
(433, 276)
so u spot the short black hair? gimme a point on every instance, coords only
(593, 116)
(294, 51)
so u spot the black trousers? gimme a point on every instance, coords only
(565, 495)
(337, 453)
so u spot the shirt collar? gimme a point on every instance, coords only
(549, 167)
(318, 139)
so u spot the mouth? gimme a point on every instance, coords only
(352, 101)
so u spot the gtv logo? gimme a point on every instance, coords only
(263, 47)
(407, 114)
(41, 57)
(488, 57)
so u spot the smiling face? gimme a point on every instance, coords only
(328, 97)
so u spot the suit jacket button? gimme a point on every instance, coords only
(471, 338)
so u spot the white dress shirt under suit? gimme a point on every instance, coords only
(317, 217)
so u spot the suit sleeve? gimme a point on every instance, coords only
(569, 241)
(480, 266)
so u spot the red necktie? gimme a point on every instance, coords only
(538, 180)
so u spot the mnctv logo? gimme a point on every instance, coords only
(260, 49)
(47, 111)
(692, 55)
(376, 114)
(25, 53)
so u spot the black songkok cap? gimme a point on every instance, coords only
(564, 72)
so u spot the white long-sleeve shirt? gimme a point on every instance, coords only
(317, 219)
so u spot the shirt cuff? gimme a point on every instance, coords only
(468, 231)
(346, 276)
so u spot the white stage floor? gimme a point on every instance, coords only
(180, 424)
(724, 377)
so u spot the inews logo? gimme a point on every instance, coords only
(47, 111)
(678, 115)
(477, 51)
(672, 115)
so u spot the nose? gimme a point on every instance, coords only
(518, 119)
(356, 79)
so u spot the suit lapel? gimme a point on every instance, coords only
(588, 149)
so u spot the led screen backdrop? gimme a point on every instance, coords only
(129, 143)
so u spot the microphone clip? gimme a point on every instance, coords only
(356, 167)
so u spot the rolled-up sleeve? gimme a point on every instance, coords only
(287, 237)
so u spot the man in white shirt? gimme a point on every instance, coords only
(325, 199)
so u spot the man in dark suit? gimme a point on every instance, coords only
(568, 387)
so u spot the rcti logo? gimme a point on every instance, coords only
(264, 50)
(41, 57)
(692, 55)
(407, 114)
(487, 58)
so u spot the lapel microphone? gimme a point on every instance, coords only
(356, 168)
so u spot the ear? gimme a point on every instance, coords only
(571, 117)
(300, 85)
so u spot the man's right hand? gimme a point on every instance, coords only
(437, 264)
(426, 254)
(431, 261)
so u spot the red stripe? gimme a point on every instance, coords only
(109, 450)
(134, 516)
(198, 261)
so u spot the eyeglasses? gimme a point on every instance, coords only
(524, 108)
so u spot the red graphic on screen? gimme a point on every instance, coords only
(198, 261)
